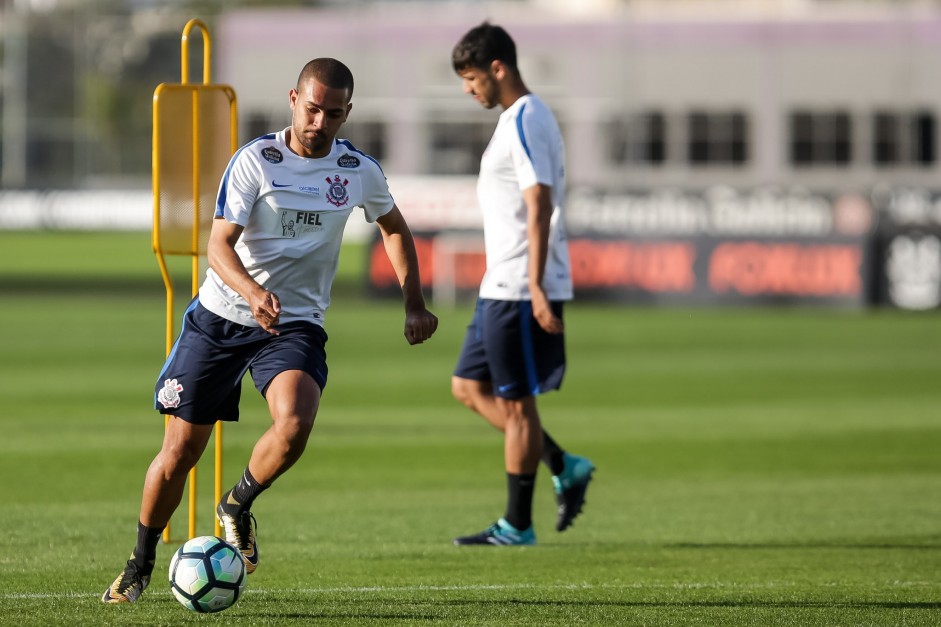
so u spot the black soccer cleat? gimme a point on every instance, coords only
(240, 533)
(128, 587)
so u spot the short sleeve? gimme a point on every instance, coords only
(238, 189)
(377, 199)
(531, 153)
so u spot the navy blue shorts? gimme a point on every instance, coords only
(201, 381)
(506, 346)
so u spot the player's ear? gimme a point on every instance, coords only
(497, 69)
(292, 97)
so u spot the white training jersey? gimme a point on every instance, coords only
(293, 210)
(526, 149)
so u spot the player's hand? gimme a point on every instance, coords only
(420, 325)
(266, 309)
(542, 312)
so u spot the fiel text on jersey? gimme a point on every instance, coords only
(293, 222)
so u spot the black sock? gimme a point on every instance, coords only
(145, 553)
(552, 454)
(519, 505)
(240, 498)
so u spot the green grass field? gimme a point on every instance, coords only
(755, 467)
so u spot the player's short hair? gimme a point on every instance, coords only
(329, 72)
(483, 45)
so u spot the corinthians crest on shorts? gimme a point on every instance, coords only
(337, 194)
(169, 394)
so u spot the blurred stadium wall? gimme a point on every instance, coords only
(712, 145)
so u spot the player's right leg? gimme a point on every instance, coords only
(199, 384)
(183, 444)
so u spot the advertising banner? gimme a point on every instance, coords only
(909, 248)
(717, 246)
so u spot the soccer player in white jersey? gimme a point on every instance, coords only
(514, 347)
(282, 205)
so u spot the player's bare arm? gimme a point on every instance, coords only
(538, 199)
(265, 306)
(420, 324)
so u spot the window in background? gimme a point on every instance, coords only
(255, 125)
(820, 138)
(367, 137)
(456, 147)
(900, 139)
(717, 138)
(636, 139)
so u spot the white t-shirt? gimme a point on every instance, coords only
(526, 149)
(293, 210)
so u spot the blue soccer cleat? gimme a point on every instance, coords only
(570, 487)
(500, 533)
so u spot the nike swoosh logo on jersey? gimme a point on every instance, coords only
(278, 184)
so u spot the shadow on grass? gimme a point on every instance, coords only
(489, 606)
(892, 605)
(122, 286)
(804, 545)
(89, 286)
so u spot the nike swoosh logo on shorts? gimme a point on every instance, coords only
(279, 185)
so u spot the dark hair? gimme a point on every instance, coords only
(329, 72)
(481, 46)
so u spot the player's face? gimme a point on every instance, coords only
(318, 112)
(482, 85)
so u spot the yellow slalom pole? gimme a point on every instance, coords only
(162, 263)
(185, 72)
(233, 146)
(186, 237)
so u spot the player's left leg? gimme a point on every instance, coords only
(522, 447)
(293, 399)
(523, 439)
(290, 372)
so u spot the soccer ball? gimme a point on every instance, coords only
(207, 574)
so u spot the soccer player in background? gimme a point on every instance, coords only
(273, 251)
(514, 348)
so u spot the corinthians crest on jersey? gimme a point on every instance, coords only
(337, 194)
